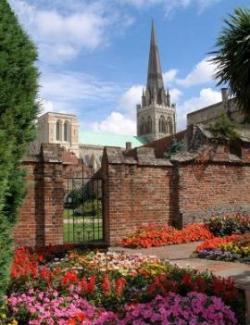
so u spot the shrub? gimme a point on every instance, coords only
(228, 225)
(18, 89)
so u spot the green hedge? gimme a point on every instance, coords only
(18, 91)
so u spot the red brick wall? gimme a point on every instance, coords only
(40, 220)
(209, 188)
(135, 195)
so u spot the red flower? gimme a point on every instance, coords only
(46, 274)
(119, 286)
(70, 277)
(155, 235)
(106, 286)
(92, 284)
(187, 280)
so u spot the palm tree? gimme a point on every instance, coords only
(232, 57)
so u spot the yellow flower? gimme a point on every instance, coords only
(14, 322)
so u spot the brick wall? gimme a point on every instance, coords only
(135, 194)
(140, 188)
(213, 188)
(40, 221)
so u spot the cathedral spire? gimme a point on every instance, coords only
(155, 80)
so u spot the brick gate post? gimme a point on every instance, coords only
(40, 220)
(53, 194)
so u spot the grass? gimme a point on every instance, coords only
(79, 229)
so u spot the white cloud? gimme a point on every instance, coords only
(175, 94)
(169, 76)
(206, 97)
(61, 37)
(71, 86)
(142, 3)
(171, 5)
(116, 123)
(45, 106)
(202, 73)
(131, 98)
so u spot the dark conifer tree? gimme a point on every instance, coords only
(18, 110)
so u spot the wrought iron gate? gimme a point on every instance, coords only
(83, 217)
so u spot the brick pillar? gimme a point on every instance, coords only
(53, 193)
(40, 220)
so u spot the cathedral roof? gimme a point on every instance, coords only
(109, 139)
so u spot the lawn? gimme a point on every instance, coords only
(83, 223)
(83, 229)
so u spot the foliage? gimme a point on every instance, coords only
(18, 89)
(224, 127)
(176, 147)
(232, 56)
(228, 225)
(110, 288)
(155, 236)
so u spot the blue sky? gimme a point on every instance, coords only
(93, 54)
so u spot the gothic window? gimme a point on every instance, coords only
(58, 131)
(162, 125)
(170, 125)
(66, 131)
(149, 125)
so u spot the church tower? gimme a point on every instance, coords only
(155, 114)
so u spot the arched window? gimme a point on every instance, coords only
(162, 125)
(170, 126)
(66, 131)
(58, 125)
(149, 124)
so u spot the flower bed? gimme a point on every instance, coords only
(228, 225)
(116, 288)
(229, 248)
(155, 236)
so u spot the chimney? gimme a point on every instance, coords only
(224, 95)
(128, 146)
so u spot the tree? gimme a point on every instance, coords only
(232, 57)
(18, 110)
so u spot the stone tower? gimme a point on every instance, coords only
(156, 114)
(59, 128)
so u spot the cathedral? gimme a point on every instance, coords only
(155, 119)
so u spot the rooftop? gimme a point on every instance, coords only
(109, 139)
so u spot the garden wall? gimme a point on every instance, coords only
(213, 188)
(142, 189)
(138, 188)
(136, 191)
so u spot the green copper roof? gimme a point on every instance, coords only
(109, 139)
